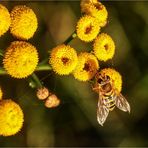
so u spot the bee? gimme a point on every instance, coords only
(109, 97)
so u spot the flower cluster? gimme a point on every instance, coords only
(20, 59)
(63, 58)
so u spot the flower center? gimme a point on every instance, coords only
(86, 67)
(65, 60)
(106, 47)
(88, 29)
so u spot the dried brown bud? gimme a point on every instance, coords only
(42, 93)
(52, 101)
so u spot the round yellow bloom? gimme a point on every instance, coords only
(1, 93)
(115, 76)
(23, 22)
(104, 47)
(4, 20)
(87, 28)
(97, 10)
(63, 59)
(20, 59)
(87, 67)
(11, 118)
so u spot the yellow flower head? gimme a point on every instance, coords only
(87, 67)
(20, 59)
(1, 93)
(11, 118)
(23, 22)
(4, 20)
(87, 28)
(104, 47)
(97, 10)
(115, 76)
(63, 59)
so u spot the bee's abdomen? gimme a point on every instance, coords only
(109, 102)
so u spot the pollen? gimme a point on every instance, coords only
(97, 10)
(1, 93)
(11, 118)
(20, 59)
(63, 59)
(87, 28)
(115, 76)
(4, 20)
(23, 22)
(87, 67)
(104, 47)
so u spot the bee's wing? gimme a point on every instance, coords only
(122, 103)
(102, 111)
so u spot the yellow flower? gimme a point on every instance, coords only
(11, 118)
(23, 22)
(87, 67)
(115, 76)
(104, 47)
(1, 93)
(4, 20)
(20, 59)
(63, 59)
(87, 28)
(97, 10)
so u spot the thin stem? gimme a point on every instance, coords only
(1, 53)
(2, 71)
(73, 35)
(37, 81)
(44, 61)
(43, 67)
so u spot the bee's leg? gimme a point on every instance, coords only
(94, 88)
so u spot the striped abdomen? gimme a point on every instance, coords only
(109, 101)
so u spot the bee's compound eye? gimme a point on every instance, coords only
(99, 81)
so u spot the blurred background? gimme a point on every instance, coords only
(74, 122)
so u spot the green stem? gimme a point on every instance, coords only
(37, 81)
(44, 61)
(2, 71)
(41, 67)
(1, 53)
(73, 35)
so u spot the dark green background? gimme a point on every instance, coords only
(74, 122)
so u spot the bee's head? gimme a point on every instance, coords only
(104, 82)
(102, 78)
